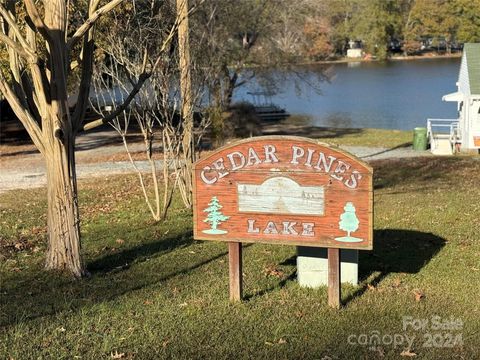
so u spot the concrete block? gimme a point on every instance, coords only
(312, 266)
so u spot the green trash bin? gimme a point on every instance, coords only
(420, 139)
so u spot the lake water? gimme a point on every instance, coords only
(390, 95)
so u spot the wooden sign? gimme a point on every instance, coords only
(284, 190)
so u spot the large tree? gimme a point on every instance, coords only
(434, 19)
(235, 41)
(467, 15)
(46, 42)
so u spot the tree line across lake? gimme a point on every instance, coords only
(318, 30)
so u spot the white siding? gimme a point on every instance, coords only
(463, 80)
(475, 120)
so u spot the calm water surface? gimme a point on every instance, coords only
(391, 95)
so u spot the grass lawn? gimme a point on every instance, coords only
(155, 293)
(371, 137)
(300, 126)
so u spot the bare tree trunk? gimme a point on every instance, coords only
(63, 216)
(38, 95)
(187, 100)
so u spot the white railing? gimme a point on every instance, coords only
(449, 127)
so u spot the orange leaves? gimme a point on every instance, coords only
(408, 353)
(419, 295)
(272, 270)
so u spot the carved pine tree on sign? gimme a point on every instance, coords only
(349, 223)
(214, 217)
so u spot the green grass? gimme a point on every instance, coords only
(372, 138)
(300, 126)
(155, 293)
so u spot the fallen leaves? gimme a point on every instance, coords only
(280, 341)
(396, 283)
(272, 270)
(419, 295)
(107, 248)
(408, 353)
(117, 355)
(166, 342)
(23, 243)
(372, 287)
(299, 314)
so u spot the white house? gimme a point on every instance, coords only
(465, 132)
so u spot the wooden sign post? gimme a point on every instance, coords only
(284, 190)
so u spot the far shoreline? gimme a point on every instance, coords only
(345, 60)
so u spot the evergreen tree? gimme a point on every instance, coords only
(215, 216)
(348, 220)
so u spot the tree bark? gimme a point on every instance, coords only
(63, 219)
(187, 99)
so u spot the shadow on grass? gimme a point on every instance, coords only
(12, 133)
(421, 171)
(34, 294)
(31, 295)
(401, 146)
(395, 251)
(307, 131)
(279, 285)
(123, 259)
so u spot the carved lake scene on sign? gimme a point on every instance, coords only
(281, 195)
(284, 190)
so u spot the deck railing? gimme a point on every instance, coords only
(449, 127)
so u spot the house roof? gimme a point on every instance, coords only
(472, 52)
(453, 97)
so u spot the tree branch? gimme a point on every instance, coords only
(31, 98)
(23, 115)
(17, 47)
(37, 20)
(87, 25)
(14, 26)
(141, 80)
(87, 57)
(84, 90)
(104, 120)
(39, 77)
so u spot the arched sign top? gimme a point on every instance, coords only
(291, 139)
(284, 189)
